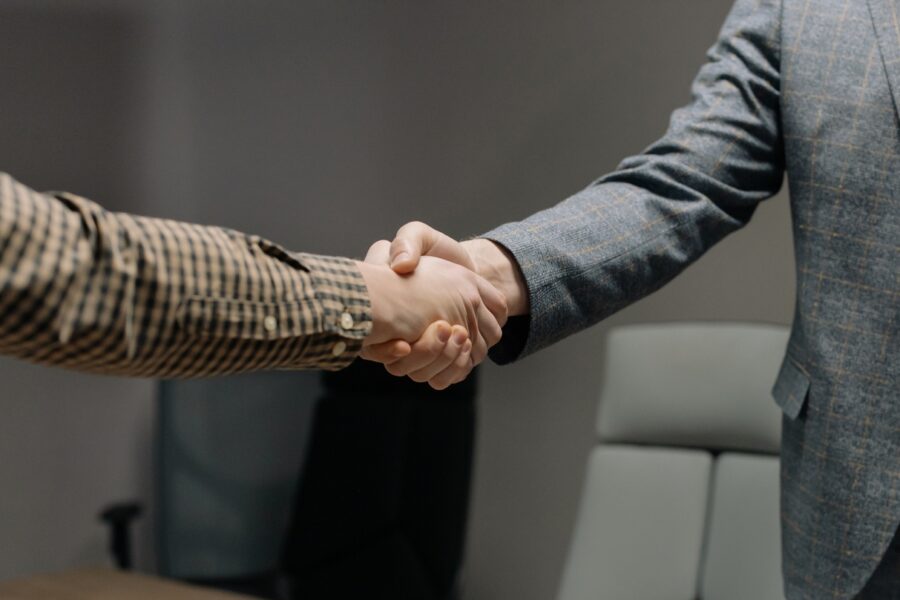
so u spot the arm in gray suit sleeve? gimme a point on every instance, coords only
(633, 230)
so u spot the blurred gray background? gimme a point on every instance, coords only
(325, 125)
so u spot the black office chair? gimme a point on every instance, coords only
(228, 454)
(379, 506)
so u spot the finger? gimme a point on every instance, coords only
(451, 352)
(386, 352)
(424, 351)
(472, 318)
(379, 253)
(488, 326)
(479, 350)
(456, 372)
(493, 299)
(464, 370)
(479, 345)
(417, 239)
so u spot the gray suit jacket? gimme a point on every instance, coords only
(811, 88)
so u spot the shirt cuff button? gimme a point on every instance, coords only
(270, 323)
(339, 348)
(347, 320)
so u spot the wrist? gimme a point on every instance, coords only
(497, 264)
(379, 280)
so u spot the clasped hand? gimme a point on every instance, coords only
(434, 317)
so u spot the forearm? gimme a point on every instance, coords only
(633, 230)
(93, 290)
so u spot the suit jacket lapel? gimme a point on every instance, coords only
(886, 18)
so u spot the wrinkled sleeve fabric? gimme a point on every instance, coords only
(89, 289)
(633, 230)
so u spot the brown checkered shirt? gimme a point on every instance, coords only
(89, 289)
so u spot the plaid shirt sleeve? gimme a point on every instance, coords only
(85, 288)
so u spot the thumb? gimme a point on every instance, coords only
(404, 257)
(411, 242)
(417, 239)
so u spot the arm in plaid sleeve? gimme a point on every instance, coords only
(89, 289)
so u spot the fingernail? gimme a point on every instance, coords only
(443, 334)
(460, 337)
(400, 258)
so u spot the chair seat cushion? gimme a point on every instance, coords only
(639, 530)
(743, 550)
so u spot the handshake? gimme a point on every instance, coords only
(438, 305)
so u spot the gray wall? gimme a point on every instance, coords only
(71, 118)
(326, 125)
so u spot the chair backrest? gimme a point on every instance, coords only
(229, 450)
(681, 494)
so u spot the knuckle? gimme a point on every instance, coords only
(411, 228)
(478, 355)
(462, 374)
(378, 245)
(473, 297)
(451, 351)
(396, 369)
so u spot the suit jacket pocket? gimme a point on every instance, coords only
(791, 388)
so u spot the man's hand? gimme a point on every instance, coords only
(490, 260)
(407, 308)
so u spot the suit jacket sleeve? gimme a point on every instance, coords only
(94, 290)
(633, 230)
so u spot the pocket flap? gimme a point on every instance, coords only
(791, 388)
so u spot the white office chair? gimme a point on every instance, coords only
(680, 500)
